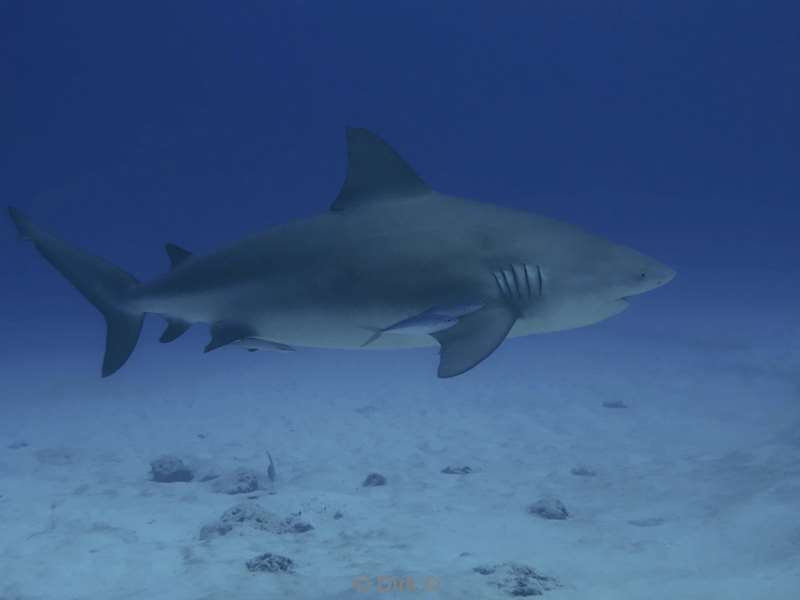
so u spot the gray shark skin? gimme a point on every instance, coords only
(389, 249)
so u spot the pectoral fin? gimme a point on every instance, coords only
(474, 338)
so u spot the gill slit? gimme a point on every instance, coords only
(516, 282)
(539, 278)
(508, 284)
(527, 281)
(499, 284)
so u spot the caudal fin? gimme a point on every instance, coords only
(101, 283)
(376, 333)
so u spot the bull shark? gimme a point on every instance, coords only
(388, 250)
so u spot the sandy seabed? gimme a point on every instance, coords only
(688, 492)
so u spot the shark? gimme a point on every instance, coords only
(388, 249)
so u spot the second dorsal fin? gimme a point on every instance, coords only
(375, 173)
(177, 255)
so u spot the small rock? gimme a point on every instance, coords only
(300, 526)
(650, 522)
(374, 480)
(170, 469)
(615, 404)
(271, 563)
(17, 445)
(254, 516)
(454, 470)
(337, 515)
(583, 472)
(517, 580)
(240, 481)
(549, 508)
(214, 529)
(294, 524)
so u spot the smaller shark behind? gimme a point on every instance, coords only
(389, 250)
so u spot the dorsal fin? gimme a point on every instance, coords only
(375, 173)
(177, 255)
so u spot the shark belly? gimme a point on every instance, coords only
(347, 323)
(323, 305)
(348, 326)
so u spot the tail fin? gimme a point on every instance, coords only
(101, 283)
(376, 333)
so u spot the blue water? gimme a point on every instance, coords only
(670, 127)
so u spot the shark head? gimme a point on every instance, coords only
(590, 280)
(587, 280)
(630, 273)
(609, 272)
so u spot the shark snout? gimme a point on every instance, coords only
(656, 275)
(663, 274)
(650, 276)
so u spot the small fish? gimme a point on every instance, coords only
(253, 344)
(456, 310)
(271, 468)
(430, 321)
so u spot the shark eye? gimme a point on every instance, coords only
(642, 275)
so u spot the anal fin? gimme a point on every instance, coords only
(473, 338)
(175, 329)
(226, 332)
